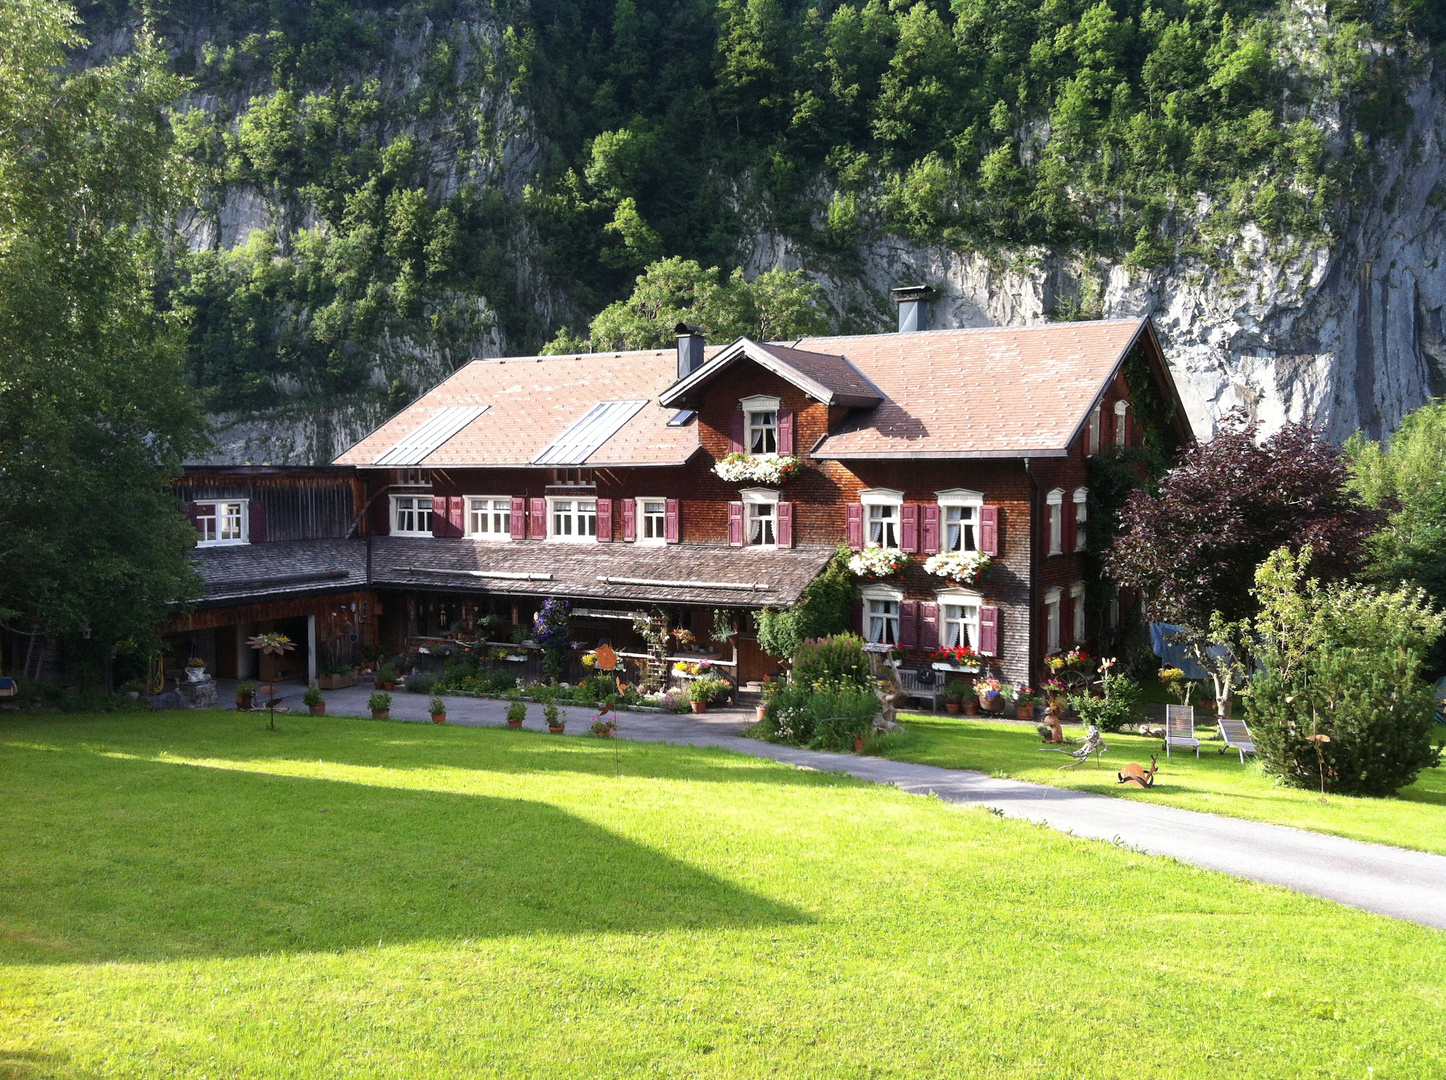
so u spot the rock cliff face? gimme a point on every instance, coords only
(1346, 334)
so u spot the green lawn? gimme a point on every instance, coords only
(190, 895)
(1216, 783)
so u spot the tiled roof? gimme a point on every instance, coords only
(531, 401)
(253, 571)
(663, 574)
(990, 392)
(825, 376)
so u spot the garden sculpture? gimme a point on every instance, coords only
(1093, 744)
(1051, 730)
(1137, 777)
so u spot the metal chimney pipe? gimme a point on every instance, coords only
(691, 343)
(913, 301)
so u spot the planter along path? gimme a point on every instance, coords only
(1389, 881)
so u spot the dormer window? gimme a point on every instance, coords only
(221, 522)
(883, 511)
(760, 424)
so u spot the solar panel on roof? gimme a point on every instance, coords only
(442, 425)
(580, 441)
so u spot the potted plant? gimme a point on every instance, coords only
(990, 695)
(955, 657)
(386, 678)
(702, 691)
(555, 723)
(1024, 703)
(604, 729)
(244, 692)
(516, 713)
(195, 669)
(878, 562)
(313, 701)
(438, 709)
(380, 703)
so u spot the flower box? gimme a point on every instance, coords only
(962, 567)
(738, 468)
(335, 682)
(878, 562)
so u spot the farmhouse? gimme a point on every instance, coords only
(701, 479)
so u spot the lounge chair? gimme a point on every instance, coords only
(1237, 737)
(1180, 728)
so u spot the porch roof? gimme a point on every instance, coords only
(285, 568)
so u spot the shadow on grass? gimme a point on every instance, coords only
(112, 859)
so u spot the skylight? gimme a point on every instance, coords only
(442, 425)
(681, 419)
(579, 442)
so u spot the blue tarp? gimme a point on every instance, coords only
(1174, 652)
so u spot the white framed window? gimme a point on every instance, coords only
(881, 615)
(574, 519)
(1081, 517)
(412, 515)
(959, 519)
(1122, 426)
(573, 478)
(760, 424)
(1051, 619)
(489, 517)
(652, 521)
(883, 507)
(760, 517)
(1077, 612)
(959, 618)
(222, 522)
(1054, 503)
(1094, 435)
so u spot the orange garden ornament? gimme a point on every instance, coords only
(607, 660)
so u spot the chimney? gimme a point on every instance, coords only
(690, 348)
(913, 301)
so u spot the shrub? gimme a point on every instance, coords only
(832, 661)
(311, 696)
(822, 609)
(436, 706)
(422, 684)
(517, 711)
(386, 674)
(1342, 661)
(1113, 711)
(827, 720)
(549, 713)
(380, 701)
(706, 689)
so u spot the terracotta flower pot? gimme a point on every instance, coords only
(1024, 712)
(971, 706)
(762, 712)
(699, 706)
(556, 729)
(439, 718)
(381, 714)
(603, 734)
(952, 707)
(243, 703)
(387, 685)
(514, 724)
(318, 710)
(859, 744)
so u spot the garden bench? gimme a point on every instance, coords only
(1237, 737)
(912, 687)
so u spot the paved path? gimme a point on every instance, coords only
(1390, 881)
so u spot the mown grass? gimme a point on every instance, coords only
(1216, 783)
(192, 895)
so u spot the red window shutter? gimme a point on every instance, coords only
(736, 431)
(630, 519)
(605, 521)
(988, 631)
(856, 617)
(439, 515)
(929, 527)
(785, 433)
(785, 524)
(456, 515)
(1066, 527)
(380, 515)
(929, 625)
(517, 519)
(672, 512)
(256, 521)
(909, 528)
(909, 624)
(989, 530)
(537, 519)
(854, 530)
(735, 524)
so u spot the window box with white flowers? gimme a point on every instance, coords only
(757, 468)
(962, 567)
(878, 562)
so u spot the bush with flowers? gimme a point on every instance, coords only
(965, 567)
(738, 467)
(878, 562)
(1076, 659)
(692, 667)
